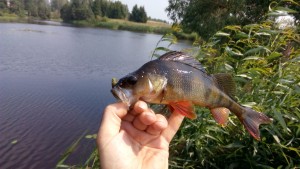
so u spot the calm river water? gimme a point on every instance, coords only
(55, 82)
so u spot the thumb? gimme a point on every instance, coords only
(111, 122)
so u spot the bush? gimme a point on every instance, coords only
(265, 64)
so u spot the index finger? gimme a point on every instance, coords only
(111, 121)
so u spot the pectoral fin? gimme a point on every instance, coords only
(220, 115)
(185, 108)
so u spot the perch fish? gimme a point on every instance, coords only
(179, 81)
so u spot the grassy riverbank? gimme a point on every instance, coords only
(149, 27)
(119, 24)
(5, 17)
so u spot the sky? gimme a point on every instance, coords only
(154, 8)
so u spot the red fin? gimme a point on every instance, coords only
(220, 115)
(185, 108)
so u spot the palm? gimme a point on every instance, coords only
(144, 139)
(138, 145)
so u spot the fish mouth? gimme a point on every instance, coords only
(124, 95)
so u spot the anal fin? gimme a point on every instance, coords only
(185, 108)
(220, 115)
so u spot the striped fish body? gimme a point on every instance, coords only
(179, 81)
(185, 83)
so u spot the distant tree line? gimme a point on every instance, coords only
(35, 8)
(87, 9)
(73, 9)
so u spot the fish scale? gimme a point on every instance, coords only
(181, 86)
(191, 85)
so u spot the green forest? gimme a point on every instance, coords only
(73, 10)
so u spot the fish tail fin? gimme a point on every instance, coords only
(252, 119)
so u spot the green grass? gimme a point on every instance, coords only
(6, 17)
(149, 27)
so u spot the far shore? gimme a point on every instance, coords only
(115, 24)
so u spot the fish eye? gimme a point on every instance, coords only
(131, 80)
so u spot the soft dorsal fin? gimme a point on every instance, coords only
(182, 58)
(225, 83)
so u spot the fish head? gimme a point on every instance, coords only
(139, 86)
(123, 89)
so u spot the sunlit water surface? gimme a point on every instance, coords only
(54, 83)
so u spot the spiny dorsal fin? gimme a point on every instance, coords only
(182, 58)
(225, 83)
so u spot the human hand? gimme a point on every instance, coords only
(137, 138)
